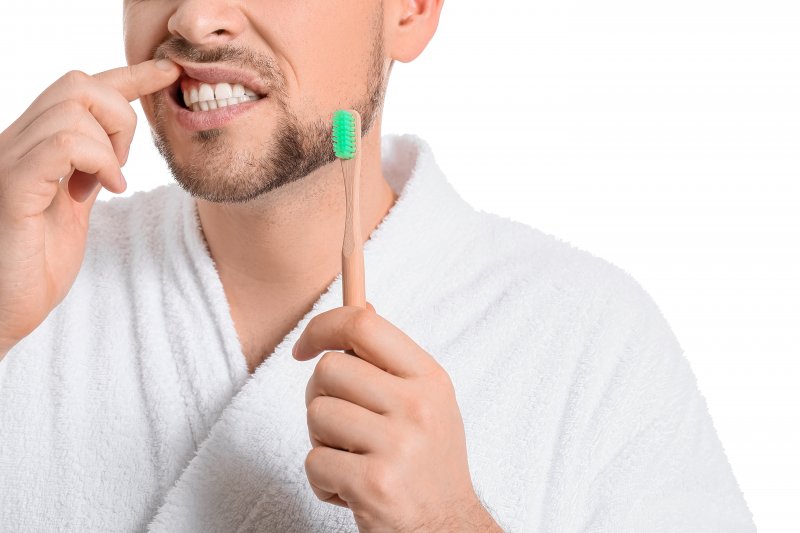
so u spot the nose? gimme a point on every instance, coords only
(207, 23)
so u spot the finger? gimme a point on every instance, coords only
(82, 187)
(62, 153)
(370, 336)
(106, 95)
(346, 426)
(354, 380)
(67, 116)
(332, 474)
(141, 79)
(75, 91)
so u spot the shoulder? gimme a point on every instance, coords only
(545, 273)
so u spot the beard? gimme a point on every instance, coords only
(227, 174)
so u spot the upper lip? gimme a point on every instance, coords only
(217, 74)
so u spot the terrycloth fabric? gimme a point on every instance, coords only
(130, 408)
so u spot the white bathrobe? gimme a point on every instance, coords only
(130, 408)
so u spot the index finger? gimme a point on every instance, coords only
(141, 79)
(372, 337)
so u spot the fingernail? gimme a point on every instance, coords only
(122, 182)
(294, 350)
(164, 64)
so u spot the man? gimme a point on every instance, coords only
(154, 373)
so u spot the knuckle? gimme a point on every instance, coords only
(327, 363)
(64, 140)
(361, 322)
(311, 459)
(132, 74)
(72, 108)
(131, 117)
(314, 410)
(379, 481)
(420, 412)
(441, 379)
(75, 78)
(402, 443)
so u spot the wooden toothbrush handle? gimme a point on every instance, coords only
(353, 290)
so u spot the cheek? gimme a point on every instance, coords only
(144, 26)
(337, 60)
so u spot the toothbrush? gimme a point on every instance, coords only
(347, 147)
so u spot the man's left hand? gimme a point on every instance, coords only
(386, 433)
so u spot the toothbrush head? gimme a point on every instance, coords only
(344, 134)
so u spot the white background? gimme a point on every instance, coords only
(662, 136)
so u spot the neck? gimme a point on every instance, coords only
(280, 251)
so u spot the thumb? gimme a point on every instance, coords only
(141, 79)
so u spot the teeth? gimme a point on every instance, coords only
(205, 93)
(207, 97)
(223, 91)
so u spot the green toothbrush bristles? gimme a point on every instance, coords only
(344, 134)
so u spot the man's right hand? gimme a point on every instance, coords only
(53, 159)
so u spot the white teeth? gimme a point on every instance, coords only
(223, 91)
(207, 97)
(205, 93)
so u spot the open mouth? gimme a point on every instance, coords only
(199, 96)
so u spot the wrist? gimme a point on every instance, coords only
(482, 521)
(471, 517)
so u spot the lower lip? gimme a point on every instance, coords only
(206, 120)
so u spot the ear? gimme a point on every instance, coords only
(409, 26)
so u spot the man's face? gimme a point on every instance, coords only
(306, 58)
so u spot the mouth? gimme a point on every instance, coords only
(206, 97)
(201, 95)
(206, 88)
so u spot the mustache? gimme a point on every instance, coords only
(264, 66)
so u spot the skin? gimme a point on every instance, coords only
(275, 237)
(271, 206)
(281, 249)
(79, 128)
(386, 432)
